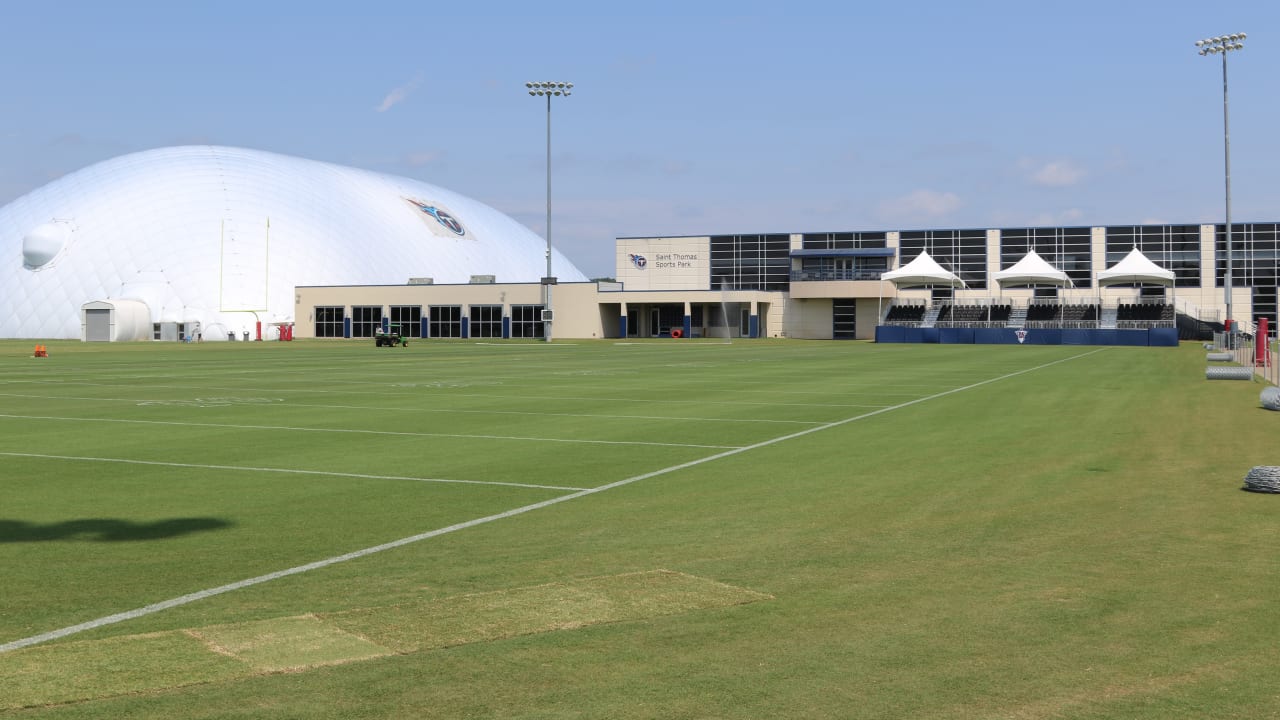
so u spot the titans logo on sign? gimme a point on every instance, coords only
(638, 261)
(441, 216)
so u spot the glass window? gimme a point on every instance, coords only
(328, 321)
(526, 321)
(843, 240)
(486, 321)
(1069, 249)
(366, 320)
(751, 262)
(1172, 247)
(963, 252)
(444, 321)
(408, 318)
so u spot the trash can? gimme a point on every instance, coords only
(246, 336)
(231, 337)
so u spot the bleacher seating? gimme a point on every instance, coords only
(970, 313)
(1079, 313)
(907, 314)
(1044, 313)
(1144, 312)
(1040, 314)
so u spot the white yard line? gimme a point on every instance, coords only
(222, 589)
(288, 428)
(429, 385)
(289, 403)
(671, 418)
(246, 468)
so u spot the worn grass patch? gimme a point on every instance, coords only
(284, 644)
(78, 671)
(524, 611)
(81, 671)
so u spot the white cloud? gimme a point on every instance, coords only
(1057, 173)
(919, 206)
(398, 95)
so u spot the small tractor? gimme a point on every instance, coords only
(389, 337)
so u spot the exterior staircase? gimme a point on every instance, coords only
(1017, 317)
(930, 318)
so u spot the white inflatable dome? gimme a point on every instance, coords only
(220, 236)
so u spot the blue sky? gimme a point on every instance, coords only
(687, 118)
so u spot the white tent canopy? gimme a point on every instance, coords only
(1135, 269)
(923, 270)
(1033, 270)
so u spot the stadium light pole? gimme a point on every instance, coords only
(549, 89)
(1221, 45)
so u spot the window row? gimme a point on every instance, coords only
(442, 321)
(844, 240)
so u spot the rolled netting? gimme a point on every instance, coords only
(1270, 398)
(1264, 479)
(1230, 372)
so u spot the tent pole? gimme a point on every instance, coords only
(880, 303)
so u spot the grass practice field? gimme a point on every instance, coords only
(670, 529)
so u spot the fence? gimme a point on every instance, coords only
(1244, 352)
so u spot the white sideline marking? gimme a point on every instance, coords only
(365, 432)
(524, 345)
(222, 589)
(246, 468)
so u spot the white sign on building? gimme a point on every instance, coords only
(664, 263)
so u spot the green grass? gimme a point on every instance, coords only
(1065, 537)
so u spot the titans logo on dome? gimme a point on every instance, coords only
(638, 260)
(442, 217)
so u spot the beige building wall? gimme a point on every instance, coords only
(577, 309)
(809, 319)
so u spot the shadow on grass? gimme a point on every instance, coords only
(105, 529)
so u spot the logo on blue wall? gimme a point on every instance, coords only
(441, 216)
(638, 261)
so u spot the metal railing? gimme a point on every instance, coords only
(950, 310)
(835, 275)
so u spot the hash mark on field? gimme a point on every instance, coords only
(245, 468)
(318, 564)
